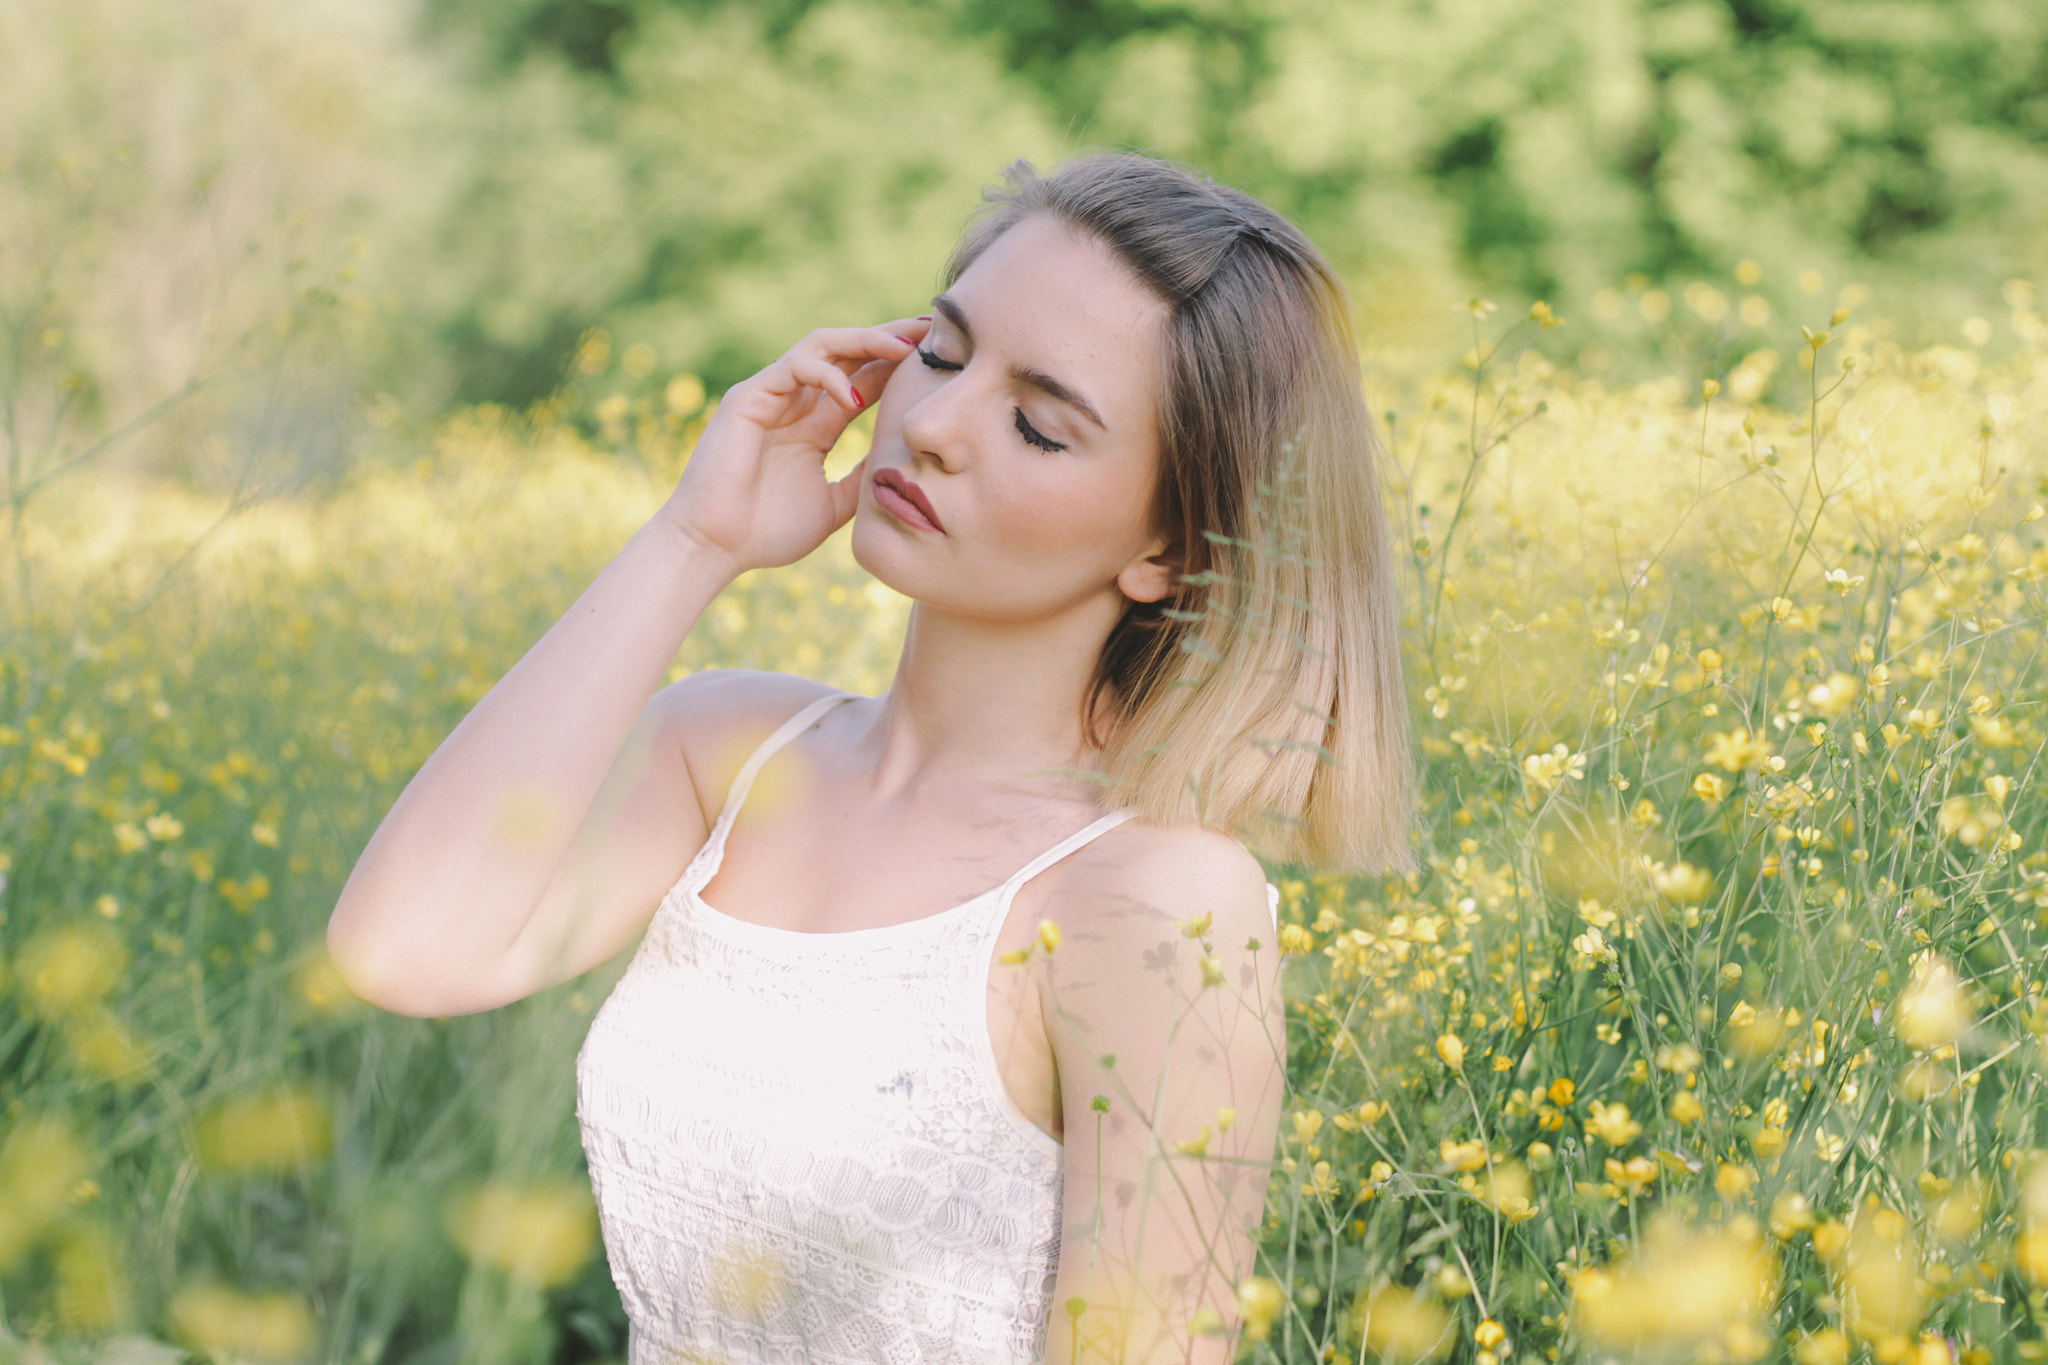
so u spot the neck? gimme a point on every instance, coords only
(994, 703)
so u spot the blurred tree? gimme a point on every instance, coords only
(1433, 148)
(706, 179)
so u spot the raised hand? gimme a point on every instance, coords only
(755, 489)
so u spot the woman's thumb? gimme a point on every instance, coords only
(846, 493)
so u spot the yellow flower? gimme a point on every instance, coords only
(163, 827)
(1877, 1276)
(1321, 1184)
(1790, 1215)
(539, 1234)
(1562, 1091)
(1686, 1108)
(1682, 882)
(1463, 1156)
(1737, 749)
(1611, 1124)
(1754, 1033)
(70, 968)
(1677, 1057)
(1048, 934)
(1307, 1123)
(1635, 1175)
(1507, 1187)
(1592, 949)
(1451, 1049)
(1212, 970)
(263, 1327)
(102, 1045)
(1933, 1009)
(1259, 1302)
(1829, 1239)
(2030, 1254)
(1198, 1145)
(1729, 1281)
(264, 833)
(1366, 1114)
(1828, 1346)
(1708, 659)
(1710, 787)
(318, 984)
(271, 1129)
(1959, 1213)
(92, 1285)
(1296, 940)
(41, 1160)
(1547, 770)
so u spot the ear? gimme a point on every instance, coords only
(1152, 576)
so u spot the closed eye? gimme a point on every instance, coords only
(932, 360)
(1033, 435)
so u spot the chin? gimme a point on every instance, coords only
(886, 555)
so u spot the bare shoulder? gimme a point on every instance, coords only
(712, 720)
(1143, 879)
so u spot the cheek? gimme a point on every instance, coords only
(1070, 516)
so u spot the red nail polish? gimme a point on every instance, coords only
(905, 340)
(858, 401)
(924, 317)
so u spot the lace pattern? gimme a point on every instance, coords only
(801, 1146)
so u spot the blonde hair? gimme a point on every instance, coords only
(1265, 696)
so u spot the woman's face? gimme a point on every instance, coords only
(1028, 421)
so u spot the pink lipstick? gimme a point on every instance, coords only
(905, 501)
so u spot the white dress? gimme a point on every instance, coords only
(801, 1145)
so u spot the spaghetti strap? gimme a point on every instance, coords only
(706, 865)
(1086, 834)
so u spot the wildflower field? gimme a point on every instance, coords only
(1715, 1027)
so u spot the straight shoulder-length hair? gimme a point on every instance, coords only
(1264, 697)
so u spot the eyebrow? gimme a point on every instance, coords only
(1025, 374)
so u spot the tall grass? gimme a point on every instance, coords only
(1712, 1029)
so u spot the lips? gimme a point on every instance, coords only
(904, 499)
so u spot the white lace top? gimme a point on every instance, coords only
(801, 1145)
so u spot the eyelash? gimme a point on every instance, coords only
(1032, 435)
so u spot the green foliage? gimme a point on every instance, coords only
(471, 185)
(1431, 149)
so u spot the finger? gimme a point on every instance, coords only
(846, 494)
(873, 377)
(815, 372)
(852, 347)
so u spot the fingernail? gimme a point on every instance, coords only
(858, 401)
(924, 317)
(905, 340)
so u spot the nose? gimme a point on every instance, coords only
(937, 420)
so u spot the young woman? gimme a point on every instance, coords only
(955, 1032)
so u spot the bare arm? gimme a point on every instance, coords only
(1166, 1173)
(536, 840)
